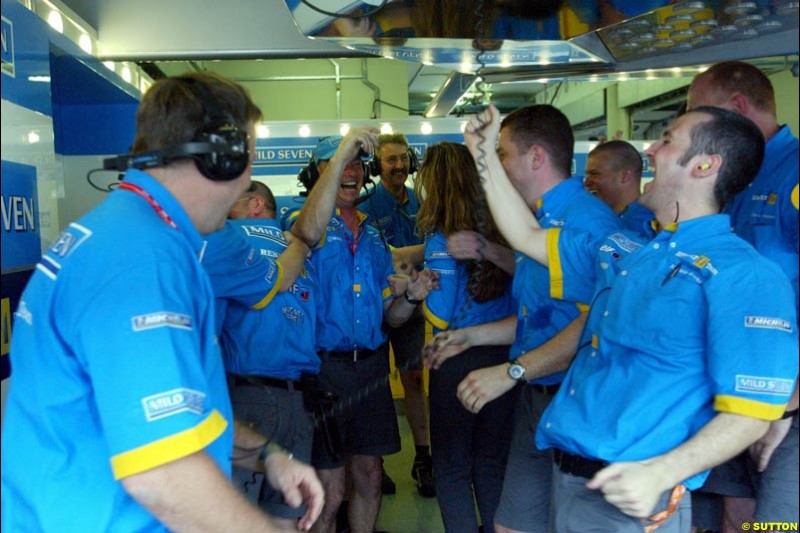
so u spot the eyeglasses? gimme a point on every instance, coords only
(392, 160)
(245, 199)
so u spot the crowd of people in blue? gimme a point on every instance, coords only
(605, 357)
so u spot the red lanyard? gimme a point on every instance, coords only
(150, 200)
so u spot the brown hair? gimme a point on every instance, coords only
(174, 109)
(545, 126)
(454, 201)
(731, 77)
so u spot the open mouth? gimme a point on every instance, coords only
(350, 186)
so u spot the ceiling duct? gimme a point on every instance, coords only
(451, 91)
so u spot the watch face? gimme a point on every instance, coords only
(516, 371)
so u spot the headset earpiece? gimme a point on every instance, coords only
(231, 153)
(374, 166)
(309, 175)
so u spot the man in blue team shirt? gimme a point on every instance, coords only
(536, 147)
(353, 265)
(673, 375)
(392, 208)
(614, 174)
(268, 348)
(765, 215)
(118, 418)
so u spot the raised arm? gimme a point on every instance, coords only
(318, 209)
(511, 214)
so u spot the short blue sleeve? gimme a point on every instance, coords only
(237, 271)
(572, 255)
(439, 306)
(752, 341)
(152, 395)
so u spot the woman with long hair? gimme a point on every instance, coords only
(469, 450)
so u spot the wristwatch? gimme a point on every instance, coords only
(516, 371)
(409, 299)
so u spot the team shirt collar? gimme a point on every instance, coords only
(169, 204)
(560, 194)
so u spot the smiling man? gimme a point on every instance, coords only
(656, 397)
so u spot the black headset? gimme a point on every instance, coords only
(374, 166)
(220, 148)
(308, 176)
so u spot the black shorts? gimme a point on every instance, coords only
(407, 342)
(364, 415)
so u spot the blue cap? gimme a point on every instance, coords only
(328, 146)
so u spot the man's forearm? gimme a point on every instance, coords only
(192, 494)
(498, 333)
(292, 261)
(723, 437)
(501, 256)
(318, 209)
(556, 354)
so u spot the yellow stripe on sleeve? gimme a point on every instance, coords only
(387, 292)
(433, 319)
(170, 448)
(271, 294)
(746, 407)
(554, 260)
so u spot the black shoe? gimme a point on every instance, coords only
(422, 472)
(387, 484)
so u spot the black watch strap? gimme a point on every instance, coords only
(412, 301)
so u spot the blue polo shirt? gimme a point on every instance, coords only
(692, 323)
(116, 368)
(352, 274)
(636, 217)
(766, 213)
(275, 337)
(450, 306)
(397, 221)
(542, 311)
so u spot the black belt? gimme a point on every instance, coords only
(351, 355)
(577, 465)
(550, 390)
(265, 381)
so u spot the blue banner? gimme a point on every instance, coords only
(22, 244)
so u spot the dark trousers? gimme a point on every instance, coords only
(469, 450)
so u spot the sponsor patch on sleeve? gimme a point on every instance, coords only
(173, 402)
(764, 385)
(767, 322)
(161, 319)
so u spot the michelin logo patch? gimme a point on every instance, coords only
(764, 385)
(767, 322)
(161, 319)
(173, 402)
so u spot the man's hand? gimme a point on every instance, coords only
(421, 283)
(633, 488)
(362, 138)
(466, 245)
(298, 483)
(482, 131)
(445, 345)
(761, 451)
(484, 385)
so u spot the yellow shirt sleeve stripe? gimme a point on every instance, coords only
(387, 292)
(170, 448)
(433, 319)
(747, 407)
(271, 294)
(583, 308)
(554, 259)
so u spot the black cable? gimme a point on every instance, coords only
(337, 15)
(110, 187)
(389, 104)
(555, 94)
